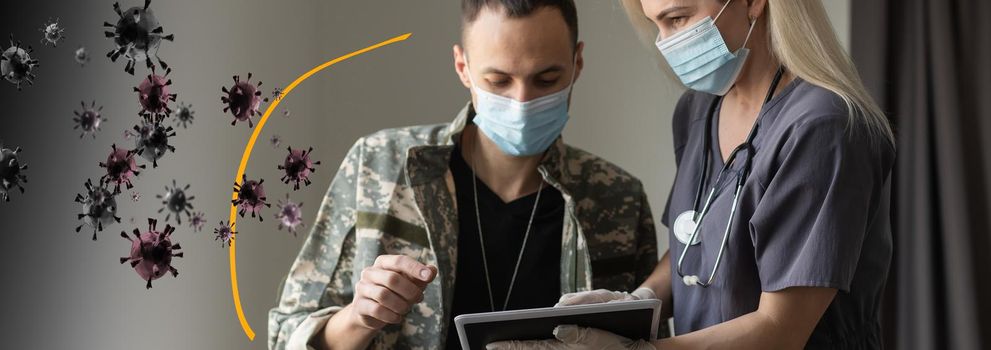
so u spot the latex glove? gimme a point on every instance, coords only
(604, 296)
(575, 338)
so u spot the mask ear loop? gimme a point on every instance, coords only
(721, 11)
(753, 23)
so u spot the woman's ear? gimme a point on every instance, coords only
(756, 8)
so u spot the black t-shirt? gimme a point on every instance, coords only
(503, 226)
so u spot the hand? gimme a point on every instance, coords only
(575, 338)
(604, 296)
(387, 290)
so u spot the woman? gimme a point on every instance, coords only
(782, 185)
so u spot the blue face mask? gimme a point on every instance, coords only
(521, 128)
(700, 58)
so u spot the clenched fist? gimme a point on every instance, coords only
(387, 290)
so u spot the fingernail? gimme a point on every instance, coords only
(425, 274)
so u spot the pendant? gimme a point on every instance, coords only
(684, 227)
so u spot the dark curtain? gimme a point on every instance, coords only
(928, 62)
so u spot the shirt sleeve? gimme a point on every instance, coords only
(809, 226)
(679, 135)
(319, 282)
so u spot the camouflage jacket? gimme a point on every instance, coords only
(394, 194)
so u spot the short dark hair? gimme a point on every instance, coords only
(522, 8)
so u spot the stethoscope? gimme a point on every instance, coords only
(686, 226)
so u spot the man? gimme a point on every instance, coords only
(490, 212)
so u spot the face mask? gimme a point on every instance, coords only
(521, 128)
(700, 58)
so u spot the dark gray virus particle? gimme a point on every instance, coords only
(99, 207)
(11, 169)
(243, 100)
(121, 168)
(286, 113)
(53, 33)
(16, 64)
(298, 166)
(275, 141)
(176, 201)
(154, 95)
(152, 252)
(197, 220)
(88, 119)
(81, 56)
(137, 35)
(184, 115)
(135, 196)
(153, 141)
(224, 233)
(276, 94)
(250, 197)
(290, 215)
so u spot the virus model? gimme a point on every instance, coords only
(225, 233)
(290, 215)
(135, 196)
(250, 197)
(99, 207)
(81, 56)
(184, 115)
(121, 168)
(176, 202)
(10, 172)
(152, 252)
(154, 95)
(153, 141)
(242, 100)
(275, 141)
(53, 33)
(298, 166)
(197, 220)
(16, 64)
(89, 119)
(277, 94)
(137, 36)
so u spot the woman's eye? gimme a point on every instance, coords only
(678, 21)
(546, 83)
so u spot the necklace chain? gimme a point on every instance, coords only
(481, 239)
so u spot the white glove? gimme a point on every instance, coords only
(604, 296)
(575, 338)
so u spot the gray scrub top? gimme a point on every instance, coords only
(813, 212)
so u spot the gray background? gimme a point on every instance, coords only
(61, 290)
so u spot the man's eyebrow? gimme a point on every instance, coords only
(667, 11)
(552, 68)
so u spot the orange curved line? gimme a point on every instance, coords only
(247, 155)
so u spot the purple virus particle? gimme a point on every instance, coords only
(153, 141)
(290, 215)
(225, 233)
(137, 35)
(53, 33)
(275, 141)
(10, 172)
(242, 100)
(99, 207)
(184, 115)
(89, 119)
(16, 64)
(176, 202)
(250, 197)
(154, 95)
(81, 56)
(121, 168)
(197, 220)
(298, 166)
(152, 252)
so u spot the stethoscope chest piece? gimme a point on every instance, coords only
(685, 226)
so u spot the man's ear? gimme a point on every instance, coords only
(460, 65)
(579, 60)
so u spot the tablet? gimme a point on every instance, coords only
(637, 319)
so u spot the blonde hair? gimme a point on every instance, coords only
(803, 40)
